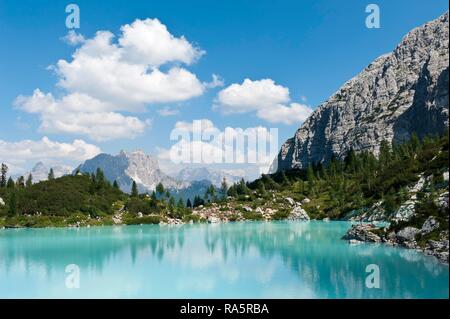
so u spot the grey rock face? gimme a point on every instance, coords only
(429, 225)
(407, 234)
(126, 167)
(362, 233)
(40, 171)
(399, 93)
(298, 213)
(191, 174)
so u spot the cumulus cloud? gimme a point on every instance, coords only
(18, 153)
(295, 113)
(149, 42)
(73, 38)
(81, 114)
(167, 111)
(203, 124)
(217, 81)
(106, 78)
(268, 100)
(201, 142)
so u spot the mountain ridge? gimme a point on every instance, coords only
(399, 93)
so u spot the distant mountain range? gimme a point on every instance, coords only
(215, 177)
(126, 167)
(40, 171)
(144, 170)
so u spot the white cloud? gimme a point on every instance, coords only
(270, 101)
(201, 142)
(106, 77)
(81, 114)
(73, 38)
(217, 81)
(19, 153)
(293, 114)
(167, 111)
(205, 125)
(149, 42)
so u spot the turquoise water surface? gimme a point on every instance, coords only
(234, 260)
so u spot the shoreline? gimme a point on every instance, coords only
(365, 227)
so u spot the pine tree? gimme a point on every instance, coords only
(20, 182)
(171, 203)
(4, 171)
(232, 191)
(10, 184)
(115, 185)
(100, 179)
(160, 189)
(261, 188)
(310, 174)
(224, 188)
(12, 210)
(415, 142)
(51, 175)
(385, 153)
(188, 203)
(134, 190)
(29, 182)
(284, 179)
(180, 204)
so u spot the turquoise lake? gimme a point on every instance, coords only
(234, 260)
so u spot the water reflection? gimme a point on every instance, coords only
(225, 260)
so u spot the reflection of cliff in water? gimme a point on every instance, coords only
(86, 247)
(312, 253)
(321, 260)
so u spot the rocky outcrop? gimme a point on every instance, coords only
(407, 234)
(362, 232)
(405, 237)
(299, 214)
(2, 202)
(399, 93)
(429, 225)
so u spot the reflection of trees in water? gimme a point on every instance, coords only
(326, 266)
(313, 251)
(86, 247)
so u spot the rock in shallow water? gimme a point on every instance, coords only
(362, 232)
(407, 234)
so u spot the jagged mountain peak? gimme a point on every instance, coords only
(399, 93)
(127, 167)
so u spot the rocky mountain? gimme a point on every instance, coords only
(215, 177)
(126, 167)
(40, 171)
(399, 93)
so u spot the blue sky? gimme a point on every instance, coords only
(308, 47)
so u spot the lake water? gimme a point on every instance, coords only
(235, 260)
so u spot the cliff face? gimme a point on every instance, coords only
(399, 93)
